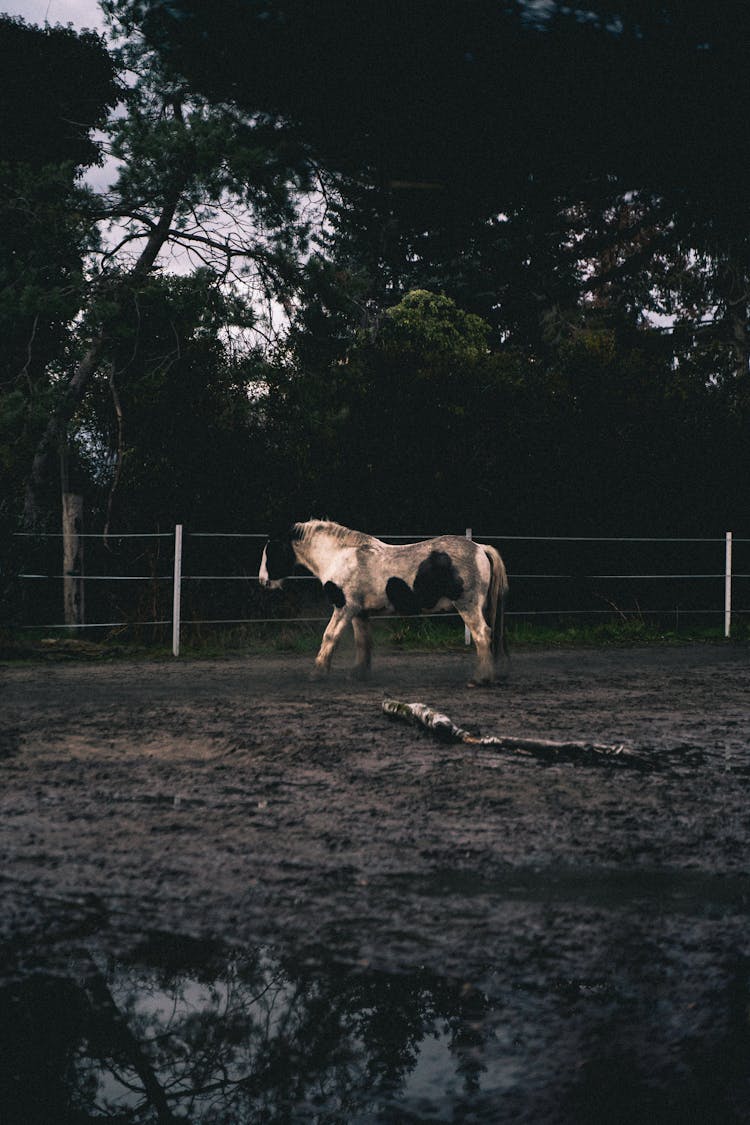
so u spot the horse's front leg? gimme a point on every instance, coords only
(334, 629)
(363, 642)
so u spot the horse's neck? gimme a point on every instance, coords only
(315, 553)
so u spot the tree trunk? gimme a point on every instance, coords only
(55, 433)
(72, 527)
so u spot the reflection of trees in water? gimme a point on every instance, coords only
(192, 1034)
(187, 1032)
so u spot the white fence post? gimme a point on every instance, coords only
(177, 589)
(467, 634)
(728, 585)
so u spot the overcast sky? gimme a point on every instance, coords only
(81, 13)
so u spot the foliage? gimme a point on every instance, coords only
(45, 141)
(171, 424)
(413, 266)
(422, 427)
(418, 92)
(45, 118)
(612, 134)
(431, 327)
(355, 417)
(207, 181)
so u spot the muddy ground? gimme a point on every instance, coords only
(449, 934)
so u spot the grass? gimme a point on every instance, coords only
(428, 634)
(635, 631)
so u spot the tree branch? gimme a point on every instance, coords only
(441, 726)
(124, 1041)
(119, 455)
(24, 372)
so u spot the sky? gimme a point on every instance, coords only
(81, 13)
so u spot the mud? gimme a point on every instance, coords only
(546, 942)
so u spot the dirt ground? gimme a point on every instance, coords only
(594, 918)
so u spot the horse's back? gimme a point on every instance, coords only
(431, 574)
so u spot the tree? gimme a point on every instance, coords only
(45, 143)
(210, 181)
(387, 433)
(244, 1037)
(478, 98)
(433, 120)
(170, 425)
(493, 210)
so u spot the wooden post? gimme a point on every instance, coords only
(72, 530)
(177, 590)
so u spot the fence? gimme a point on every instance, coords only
(552, 577)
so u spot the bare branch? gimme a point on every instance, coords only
(24, 372)
(119, 453)
(134, 236)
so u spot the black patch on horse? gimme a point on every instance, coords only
(401, 596)
(437, 578)
(335, 594)
(280, 557)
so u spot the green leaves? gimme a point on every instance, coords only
(58, 86)
(432, 327)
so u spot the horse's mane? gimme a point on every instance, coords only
(343, 535)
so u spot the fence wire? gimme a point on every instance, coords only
(535, 603)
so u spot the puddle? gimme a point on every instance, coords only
(185, 1031)
(188, 1031)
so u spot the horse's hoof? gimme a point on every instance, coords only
(480, 683)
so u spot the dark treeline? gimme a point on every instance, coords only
(413, 267)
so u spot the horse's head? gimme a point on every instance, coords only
(278, 560)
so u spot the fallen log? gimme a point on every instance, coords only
(549, 750)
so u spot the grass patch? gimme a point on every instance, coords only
(428, 633)
(614, 632)
(303, 638)
(30, 647)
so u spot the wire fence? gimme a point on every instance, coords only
(161, 580)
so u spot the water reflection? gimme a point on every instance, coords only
(188, 1033)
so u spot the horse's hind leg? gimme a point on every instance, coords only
(482, 636)
(363, 642)
(334, 629)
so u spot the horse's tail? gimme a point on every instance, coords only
(496, 595)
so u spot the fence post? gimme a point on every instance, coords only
(72, 530)
(467, 634)
(177, 589)
(728, 585)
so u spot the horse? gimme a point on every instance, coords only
(362, 575)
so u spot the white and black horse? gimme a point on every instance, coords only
(362, 575)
